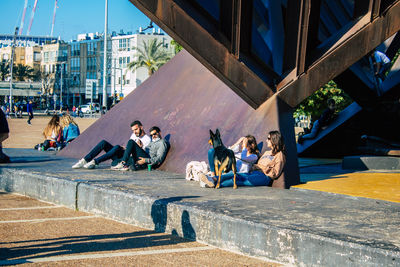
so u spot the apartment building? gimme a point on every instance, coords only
(86, 58)
(124, 51)
(54, 66)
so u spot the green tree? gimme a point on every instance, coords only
(22, 72)
(37, 75)
(177, 47)
(152, 56)
(315, 104)
(4, 70)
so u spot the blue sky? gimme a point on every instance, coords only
(72, 17)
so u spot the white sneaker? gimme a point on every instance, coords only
(79, 164)
(90, 165)
(205, 182)
(119, 166)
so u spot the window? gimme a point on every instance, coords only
(75, 50)
(91, 48)
(124, 45)
(124, 61)
(36, 56)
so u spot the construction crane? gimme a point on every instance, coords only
(32, 16)
(23, 17)
(54, 18)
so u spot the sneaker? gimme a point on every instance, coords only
(90, 165)
(204, 181)
(120, 165)
(79, 164)
(125, 168)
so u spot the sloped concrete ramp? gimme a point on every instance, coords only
(185, 100)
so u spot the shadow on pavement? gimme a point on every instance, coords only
(83, 244)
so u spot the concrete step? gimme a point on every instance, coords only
(296, 227)
(366, 162)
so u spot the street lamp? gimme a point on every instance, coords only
(61, 82)
(115, 77)
(11, 67)
(105, 58)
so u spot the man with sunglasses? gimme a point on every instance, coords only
(139, 137)
(154, 154)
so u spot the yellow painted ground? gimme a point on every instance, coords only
(383, 186)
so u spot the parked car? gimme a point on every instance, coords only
(86, 108)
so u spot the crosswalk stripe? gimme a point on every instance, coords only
(102, 255)
(50, 219)
(32, 208)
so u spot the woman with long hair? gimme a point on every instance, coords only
(52, 133)
(269, 167)
(70, 128)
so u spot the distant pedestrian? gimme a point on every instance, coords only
(16, 110)
(380, 64)
(323, 121)
(29, 109)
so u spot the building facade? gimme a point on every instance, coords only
(24, 40)
(86, 58)
(54, 66)
(124, 51)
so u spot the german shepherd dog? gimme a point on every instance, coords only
(224, 158)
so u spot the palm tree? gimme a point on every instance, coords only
(23, 72)
(4, 70)
(151, 57)
(177, 47)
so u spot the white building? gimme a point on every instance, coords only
(124, 48)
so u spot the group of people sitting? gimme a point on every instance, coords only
(141, 150)
(59, 132)
(253, 169)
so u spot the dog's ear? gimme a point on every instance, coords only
(217, 133)
(211, 133)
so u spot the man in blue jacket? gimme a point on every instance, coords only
(29, 109)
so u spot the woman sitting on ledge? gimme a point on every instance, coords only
(269, 167)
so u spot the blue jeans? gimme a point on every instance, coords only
(255, 178)
(211, 153)
(134, 150)
(314, 131)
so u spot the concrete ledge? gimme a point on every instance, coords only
(45, 188)
(371, 163)
(301, 234)
(265, 241)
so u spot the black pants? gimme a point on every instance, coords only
(132, 148)
(112, 152)
(30, 118)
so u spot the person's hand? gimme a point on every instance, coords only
(244, 143)
(256, 167)
(141, 161)
(140, 144)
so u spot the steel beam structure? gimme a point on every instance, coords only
(224, 44)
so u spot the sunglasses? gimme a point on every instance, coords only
(268, 138)
(154, 134)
